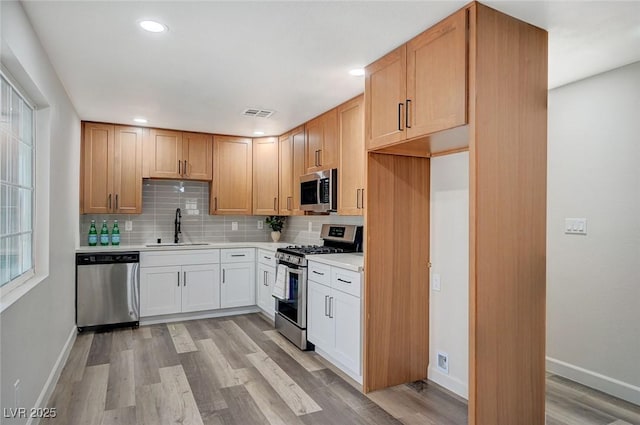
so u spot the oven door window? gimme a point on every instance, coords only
(290, 308)
(309, 193)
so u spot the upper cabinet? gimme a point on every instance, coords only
(420, 88)
(111, 169)
(322, 142)
(292, 166)
(265, 176)
(231, 187)
(177, 155)
(352, 154)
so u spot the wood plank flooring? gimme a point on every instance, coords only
(239, 371)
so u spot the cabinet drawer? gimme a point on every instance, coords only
(345, 281)
(241, 255)
(179, 258)
(320, 273)
(268, 258)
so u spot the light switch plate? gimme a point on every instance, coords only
(575, 226)
(310, 229)
(435, 282)
(234, 226)
(128, 225)
(260, 224)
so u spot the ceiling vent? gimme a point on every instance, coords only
(257, 112)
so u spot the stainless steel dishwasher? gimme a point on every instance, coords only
(107, 290)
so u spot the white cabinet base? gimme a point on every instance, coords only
(180, 317)
(337, 363)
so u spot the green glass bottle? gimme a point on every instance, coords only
(115, 233)
(93, 234)
(104, 234)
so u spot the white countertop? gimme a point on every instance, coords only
(270, 246)
(354, 261)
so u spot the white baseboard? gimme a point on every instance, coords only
(339, 365)
(447, 381)
(591, 379)
(50, 385)
(180, 317)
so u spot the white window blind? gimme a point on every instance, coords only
(16, 183)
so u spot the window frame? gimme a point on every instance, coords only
(29, 274)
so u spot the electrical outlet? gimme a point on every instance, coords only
(234, 226)
(575, 226)
(128, 225)
(435, 281)
(260, 224)
(443, 362)
(310, 227)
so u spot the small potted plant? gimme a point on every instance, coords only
(276, 223)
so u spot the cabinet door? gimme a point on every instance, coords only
(238, 286)
(351, 180)
(98, 140)
(160, 290)
(197, 156)
(299, 137)
(232, 176)
(200, 287)
(285, 181)
(322, 142)
(345, 310)
(264, 283)
(265, 176)
(166, 154)
(319, 323)
(385, 89)
(127, 176)
(437, 77)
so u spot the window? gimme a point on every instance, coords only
(16, 183)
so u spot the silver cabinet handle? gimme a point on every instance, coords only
(289, 202)
(266, 258)
(237, 255)
(109, 202)
(185, 168)
(116, 202)
(406, 116)
(223, 276)
(215, 203)
(184, 278)
(331, 307)
(179, 169)
(400, 105)
(325, 305)
(266, 278)
(321, 274)
(345, 281)
(178, 278)
(275, 204)
(319, 157)
(358, 199)
(362, 198)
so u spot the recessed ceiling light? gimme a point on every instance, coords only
(140, 120)
(152, 26)
(258, 133)
(357, 72)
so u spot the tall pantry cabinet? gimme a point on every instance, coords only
(477, 81)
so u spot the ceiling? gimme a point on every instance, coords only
(219, 58)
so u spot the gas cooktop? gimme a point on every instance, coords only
(311, 249)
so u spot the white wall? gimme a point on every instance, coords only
(449, 245)
(35, 329)
(593, 281)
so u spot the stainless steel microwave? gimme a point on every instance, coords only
(319, 191)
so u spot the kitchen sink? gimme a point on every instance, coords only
(151, 245)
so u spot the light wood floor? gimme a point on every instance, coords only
(238, 370)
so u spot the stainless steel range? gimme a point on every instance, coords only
(291, 310)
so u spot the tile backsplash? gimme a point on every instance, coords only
(160, 198)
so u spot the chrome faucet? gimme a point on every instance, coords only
(176, 226)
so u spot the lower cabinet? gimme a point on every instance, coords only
(265, 280)
(179, 282)
(334, 319)
(238, 288)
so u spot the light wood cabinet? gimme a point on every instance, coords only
(321, 149)
(179, 155)
(197, 151)
(352, 154)
(165, 154)
(292, 166)
(420, 88)
(265, 176)
(111, 169)
(231, 188)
